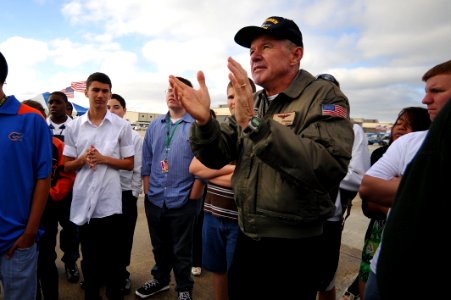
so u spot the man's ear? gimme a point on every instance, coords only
(298, 53)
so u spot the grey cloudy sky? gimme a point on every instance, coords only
(378, 50)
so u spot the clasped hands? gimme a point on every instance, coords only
(93, 157)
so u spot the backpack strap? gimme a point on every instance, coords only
(346, 197)
(55, 160)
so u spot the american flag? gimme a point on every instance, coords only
(334, 110)
(78, 86)
(69, 92)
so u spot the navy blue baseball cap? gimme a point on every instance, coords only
(278, 27)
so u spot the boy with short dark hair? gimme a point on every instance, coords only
(98, 145)
(69, 235)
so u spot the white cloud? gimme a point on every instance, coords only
(378, 50)
(25, 55)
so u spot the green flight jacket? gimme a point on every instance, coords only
(287, 175)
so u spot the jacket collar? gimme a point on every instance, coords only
(299, 83)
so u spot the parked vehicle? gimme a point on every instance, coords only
(378, 138)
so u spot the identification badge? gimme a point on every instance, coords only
(286, 119)
(164, 166)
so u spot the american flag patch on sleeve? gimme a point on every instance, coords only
(334, 110)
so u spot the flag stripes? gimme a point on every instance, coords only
(78, 86)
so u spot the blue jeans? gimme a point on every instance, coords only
(19, 274)
(219, 237)
(371, 288)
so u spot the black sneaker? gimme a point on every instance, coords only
(185, 295)
(72, 273)
(150, 288)
(127, 286)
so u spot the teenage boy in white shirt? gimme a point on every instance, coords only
(98, 145)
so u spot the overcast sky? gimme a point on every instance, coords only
(377, 49)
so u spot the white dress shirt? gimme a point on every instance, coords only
(131, 180)
(97, 193)
(359, 164)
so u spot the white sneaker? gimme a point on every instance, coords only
(196, 271)
(185, 295)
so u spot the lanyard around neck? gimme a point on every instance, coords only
(169, 133)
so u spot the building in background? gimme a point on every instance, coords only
(372, 127)
(140, 120)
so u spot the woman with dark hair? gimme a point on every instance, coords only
(409, 119)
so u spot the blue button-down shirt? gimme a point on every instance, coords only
(173, 187)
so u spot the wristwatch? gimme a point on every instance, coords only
(253, 125)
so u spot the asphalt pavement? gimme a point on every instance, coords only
(142, 261)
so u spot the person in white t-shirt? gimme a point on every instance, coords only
(131, 184)
(331, 237)
(409, 119)
(332, 229)
(381, 182)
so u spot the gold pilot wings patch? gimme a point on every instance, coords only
(286, 119)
